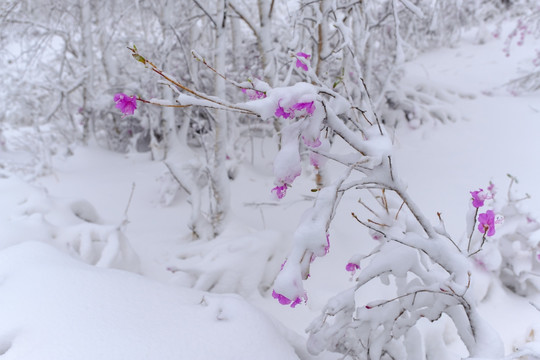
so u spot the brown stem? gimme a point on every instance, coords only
(158, 71)
(164, 105)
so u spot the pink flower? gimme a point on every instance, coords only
(281, 112)
(479, 197)
(283, 300)
(312, 143)
(352, 267)
(299, 63)
(296, 302)
(287, 179)
(487, 223)
(126, 104)
(308, 106)
(315, 159)
(254, 94)
(280, 191)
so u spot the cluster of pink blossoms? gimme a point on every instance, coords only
(254, 94)
(295, 110)
(519, 31)
(126, 104)
(299, 63)
(487, 220)
(283, 300)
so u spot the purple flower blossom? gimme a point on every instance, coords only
(286, 181)
(308, 106)
(254, 94)
(296, 302)
(479, 196)
(487, 223)
(312, 143)
(299, 63)
(315, 159)
(283, 300)
(126, 104)
(281, 112)
(280, 191)
(352, 267)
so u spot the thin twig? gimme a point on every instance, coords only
(203, 60)
(397, 213)
(472, 231)
(161, 104)
(384, 201)
(376, 223)
(158, 71)
(367, 225)
(129, 200)
(368, 208)
(125, 221)
(186, 189)
(206, 13)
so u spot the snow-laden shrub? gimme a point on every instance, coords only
(527, 25)
(429, 271)
(30, 150)
(242, 265)
(513, 253)
(72, 226)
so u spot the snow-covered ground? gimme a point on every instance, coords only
(54, 306)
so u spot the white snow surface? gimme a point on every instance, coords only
(54, 307)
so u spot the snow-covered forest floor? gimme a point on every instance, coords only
(54, 305)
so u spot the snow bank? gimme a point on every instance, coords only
(54, 307)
